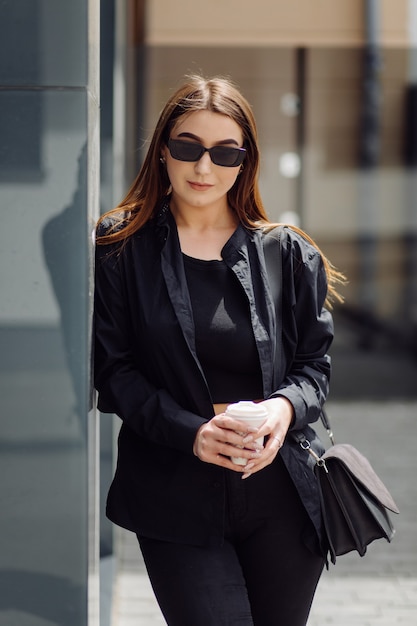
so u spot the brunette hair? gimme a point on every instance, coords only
(142, 201)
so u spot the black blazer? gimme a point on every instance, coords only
(148, 373)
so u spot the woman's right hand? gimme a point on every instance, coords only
(216, 441)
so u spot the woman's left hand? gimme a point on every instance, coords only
(280, 416)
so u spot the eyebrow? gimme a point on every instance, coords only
(219, 143)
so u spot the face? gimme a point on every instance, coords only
(202, 183)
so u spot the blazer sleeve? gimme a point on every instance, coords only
(307, 330)
(122, 387)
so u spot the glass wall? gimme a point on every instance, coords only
(337, 129)
(47, 118)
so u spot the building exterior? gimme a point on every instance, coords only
(333, 86)
(49, 189)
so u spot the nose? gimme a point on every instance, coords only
(204, 164)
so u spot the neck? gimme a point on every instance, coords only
(204, 218)
(204, 231)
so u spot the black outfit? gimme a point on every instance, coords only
(148, 371)
(225, 345)
(262, 575)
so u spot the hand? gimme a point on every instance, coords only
(217, 439)
(275, 428)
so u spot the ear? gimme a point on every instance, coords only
(164, 151)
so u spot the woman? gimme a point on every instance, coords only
(188, 319)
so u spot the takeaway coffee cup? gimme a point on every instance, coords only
(251, 414)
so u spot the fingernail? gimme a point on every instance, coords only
(246, 475)
(248, 439)
(249, 466)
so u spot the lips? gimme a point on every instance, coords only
(199, 186)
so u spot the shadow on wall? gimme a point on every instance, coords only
(65, 247)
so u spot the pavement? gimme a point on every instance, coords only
(378, 589)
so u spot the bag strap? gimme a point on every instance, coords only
(326, 423)
(305, 444)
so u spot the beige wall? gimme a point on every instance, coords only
(333, 107)
(270, 22)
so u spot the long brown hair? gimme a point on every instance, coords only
(142, 201)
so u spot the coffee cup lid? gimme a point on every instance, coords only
(246, 408)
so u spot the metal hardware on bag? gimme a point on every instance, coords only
(306, 445)
(322, 463)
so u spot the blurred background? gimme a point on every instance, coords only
(333, 86)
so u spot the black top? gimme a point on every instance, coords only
(225, 343)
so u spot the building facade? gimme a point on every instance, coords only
(49, 189)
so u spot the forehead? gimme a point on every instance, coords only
(208, 125)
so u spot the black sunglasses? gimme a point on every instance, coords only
(220, 155)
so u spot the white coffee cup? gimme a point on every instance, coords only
(251, 414)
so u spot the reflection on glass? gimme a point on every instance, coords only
(44, 377)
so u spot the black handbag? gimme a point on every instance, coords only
(354, 500)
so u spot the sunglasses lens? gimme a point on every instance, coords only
(227, 157)
(220, 155)
(185, 150)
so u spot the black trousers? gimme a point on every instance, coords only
(263, 575)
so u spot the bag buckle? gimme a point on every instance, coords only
(306, 445)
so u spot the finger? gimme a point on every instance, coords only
(236, 439)
(231, 451)
(248, 470)
(265, 458)
(229, 423)
(227, 463)
(211, 450)
(277, 440)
